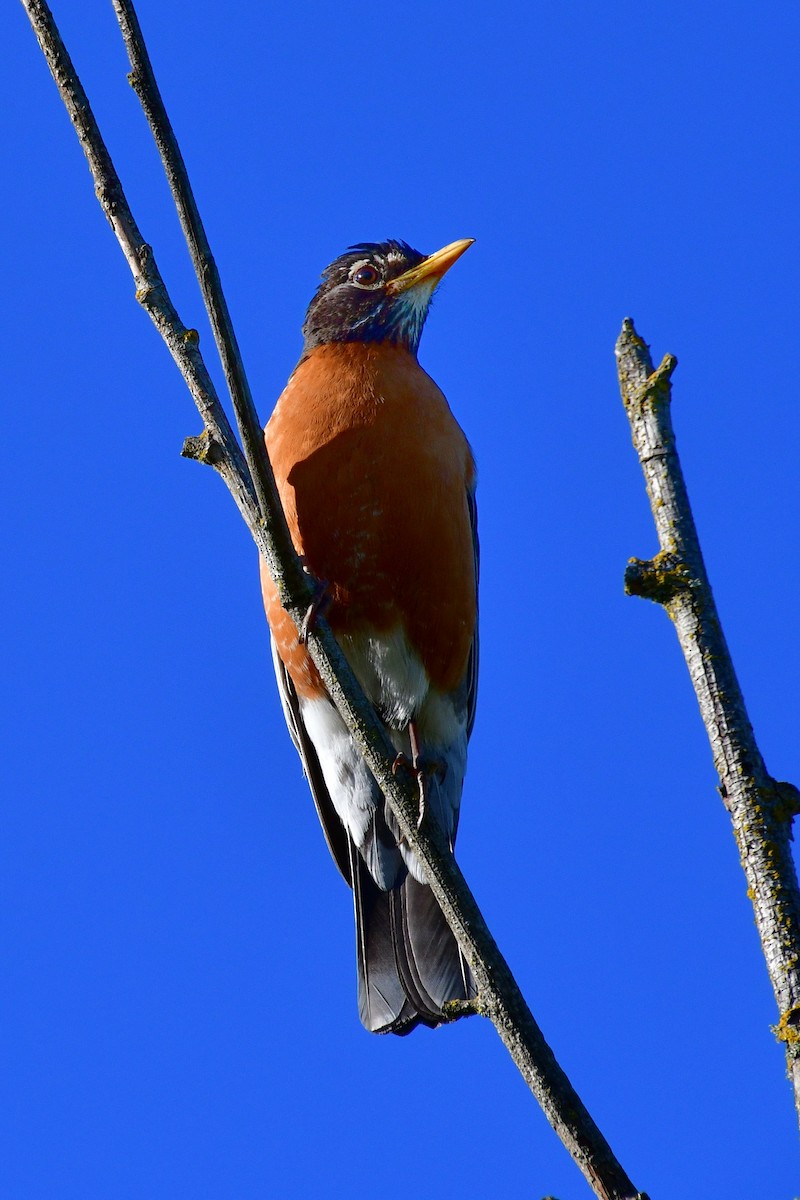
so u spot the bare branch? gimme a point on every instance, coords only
(761, 809)
(500, 998)
(143, 82)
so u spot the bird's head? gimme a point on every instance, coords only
(377, 292)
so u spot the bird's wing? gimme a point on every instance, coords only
(474, 654)
(335, 833)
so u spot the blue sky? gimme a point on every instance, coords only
(178, 1003)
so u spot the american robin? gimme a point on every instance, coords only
(378, 484)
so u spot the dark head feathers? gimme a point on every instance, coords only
(352, 304)
(394, 252)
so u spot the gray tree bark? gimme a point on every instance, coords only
(761, 809)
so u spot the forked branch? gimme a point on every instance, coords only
(249, 478)
(761, 809)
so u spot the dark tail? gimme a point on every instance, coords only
(409, 963)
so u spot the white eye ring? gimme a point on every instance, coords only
(371, 274)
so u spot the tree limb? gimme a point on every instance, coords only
(143, 81)
(761, 809)
(256, 496)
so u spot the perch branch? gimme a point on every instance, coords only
(499, 995)
(761, 809)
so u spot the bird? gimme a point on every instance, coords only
(377, 481)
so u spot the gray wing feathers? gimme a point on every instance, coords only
(474, 654)
(335, 833)
(409, 963)
(382, 1001)
(431, 966)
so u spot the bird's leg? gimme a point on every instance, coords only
(320, 604)
(422, 767)
(419, 770)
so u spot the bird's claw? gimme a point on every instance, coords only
(401, 763)
(422, 768)
(319, 605)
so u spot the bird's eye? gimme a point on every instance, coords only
(365, 275)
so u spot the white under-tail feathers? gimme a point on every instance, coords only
(394, 680)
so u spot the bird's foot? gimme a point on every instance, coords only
(423, 768)
(318, 607)
(402, 762)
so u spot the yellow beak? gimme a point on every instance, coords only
(431, 268)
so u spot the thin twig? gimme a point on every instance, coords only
(143, 82)
(150, 290)
(761, 809)
(500, 997)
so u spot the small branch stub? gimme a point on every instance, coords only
(203, 448)
(659, 579)
(454, 1010)
(787, 1031)
(786, 805)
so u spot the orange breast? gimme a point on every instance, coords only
(373, 471)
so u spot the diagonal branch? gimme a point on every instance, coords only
(761, 809)
(143, 82)
(255, 494)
